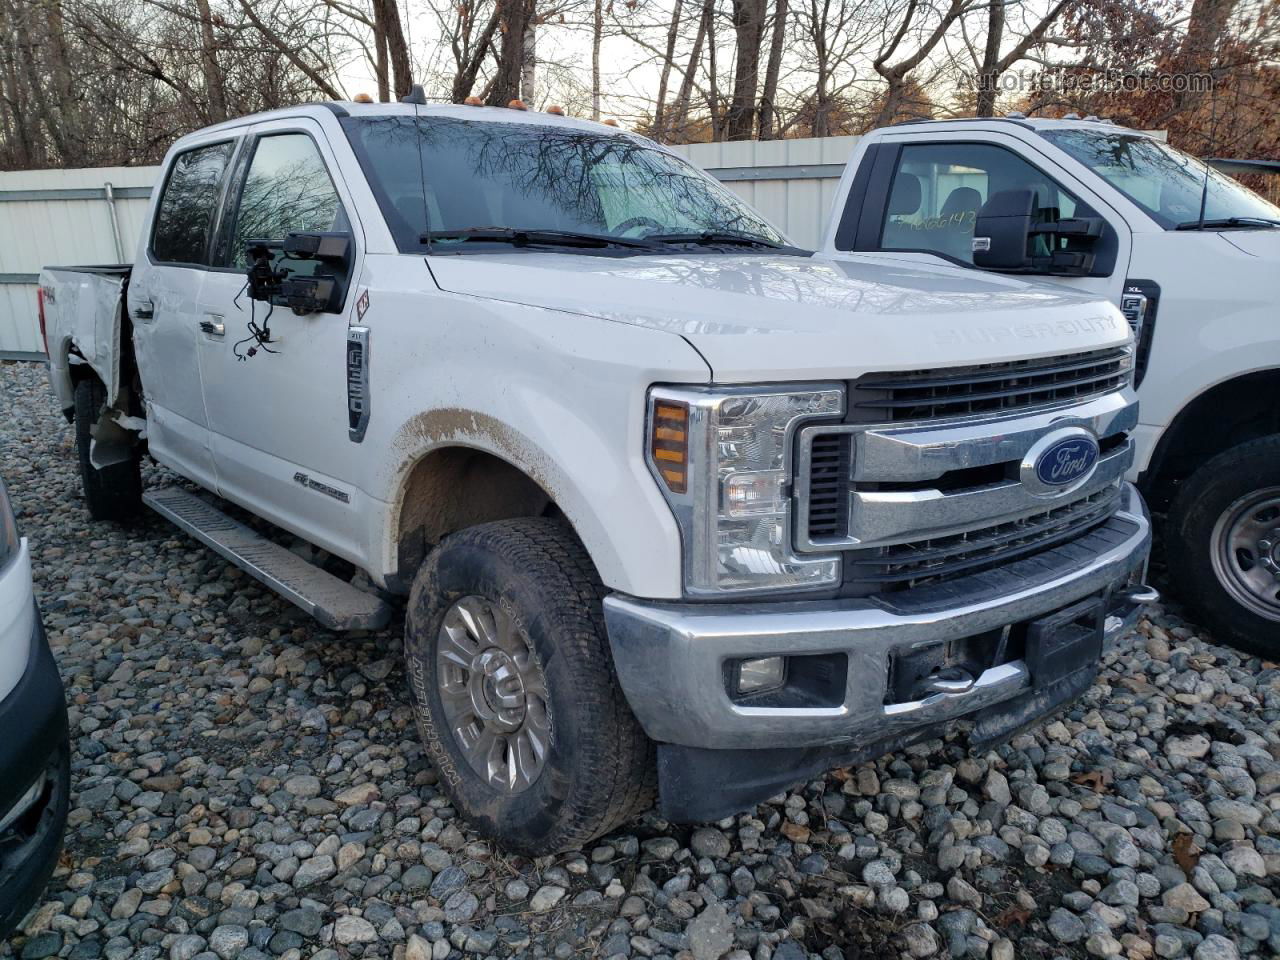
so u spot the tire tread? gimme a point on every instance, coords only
(113, 492)
(623, 780)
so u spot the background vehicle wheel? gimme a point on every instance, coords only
(515, 693)
(1223, 545)
(114, 492)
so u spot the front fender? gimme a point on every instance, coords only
(561, 397)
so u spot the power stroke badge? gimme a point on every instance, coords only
(357, 382)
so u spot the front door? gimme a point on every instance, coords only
(933, 185)
(278, 410)
(163, 300)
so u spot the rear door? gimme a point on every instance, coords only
(917, 196)
(278, 411)
(163, 301)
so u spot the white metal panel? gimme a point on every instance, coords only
(798, 204)
(50, 230)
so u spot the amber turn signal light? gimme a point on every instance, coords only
(669, 444)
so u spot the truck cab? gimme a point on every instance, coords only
(1190, 256)
(674, 509)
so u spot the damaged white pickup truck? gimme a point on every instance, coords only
(679, 510)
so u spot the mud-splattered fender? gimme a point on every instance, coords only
(560, 397)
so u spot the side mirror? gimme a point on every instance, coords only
(1007, 229)
(322, 290)
(1002, 231)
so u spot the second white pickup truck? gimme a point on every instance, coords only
(1191, 257)
(678, 508)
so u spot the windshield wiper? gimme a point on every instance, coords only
(713, 238)
(1222, 222)
(521, 237)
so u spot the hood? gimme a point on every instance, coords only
(760, 317)
(1256, 243)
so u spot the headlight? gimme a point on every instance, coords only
(723, 459)
(8, 528)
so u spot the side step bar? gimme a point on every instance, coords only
(335, 603)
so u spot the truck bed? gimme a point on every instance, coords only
(83, 314)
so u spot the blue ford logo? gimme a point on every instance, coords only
(1067, 461)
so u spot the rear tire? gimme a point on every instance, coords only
(113, 492)
(1223, 545)
(514, 688)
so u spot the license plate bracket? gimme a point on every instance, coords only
(1065, 641)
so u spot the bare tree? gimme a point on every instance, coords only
(768, 97)
(912, 30)
(992, 65)
(748, 29)
(389, 36)
(209, 64)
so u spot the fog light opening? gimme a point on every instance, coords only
(760, 675)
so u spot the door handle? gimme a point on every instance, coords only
(144, 311)
(213, 326)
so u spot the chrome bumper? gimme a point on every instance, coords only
(671, 658)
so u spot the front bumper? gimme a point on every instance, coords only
(671, 658)
(34, 782)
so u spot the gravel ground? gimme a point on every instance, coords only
(247, 784)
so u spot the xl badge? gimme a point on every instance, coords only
(1061, 461)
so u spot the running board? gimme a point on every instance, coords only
(336, 604)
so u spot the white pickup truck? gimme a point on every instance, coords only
(677, 508)
(1191, 257)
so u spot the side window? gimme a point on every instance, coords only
(286, 190)
(938, 189)
(186, 209)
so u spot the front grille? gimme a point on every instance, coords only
(910, 564)
(990, 387)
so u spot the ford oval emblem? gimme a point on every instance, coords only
(1067, 461)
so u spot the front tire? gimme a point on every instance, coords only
(514, 689)
(1223, 545)
(113, 492)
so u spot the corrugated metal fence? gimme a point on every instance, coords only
(792, 182)
(61, 217)
(51, 217)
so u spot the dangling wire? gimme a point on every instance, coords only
(260, 335)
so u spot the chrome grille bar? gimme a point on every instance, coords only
(941, 556)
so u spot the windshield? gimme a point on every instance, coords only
(478, 175)
(1164, 182)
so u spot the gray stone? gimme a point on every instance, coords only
(314, 870)
(709, 842)
(1216, 947)
(461, 906)
(920, 939)
(351, 929)
(1064, 926)
(546, 898)
(710, 933)
(229, 941)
